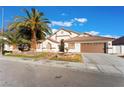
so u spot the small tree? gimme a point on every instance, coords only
(62, 45)
(14, 39)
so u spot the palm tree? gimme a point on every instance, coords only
(35, 23)
(13, 39)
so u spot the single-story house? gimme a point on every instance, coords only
(52, 43)
(89, 44)
(118, 46)
(76, 42)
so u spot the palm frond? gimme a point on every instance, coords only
(28, 14)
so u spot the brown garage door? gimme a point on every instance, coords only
(92, 47)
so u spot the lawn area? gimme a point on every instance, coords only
(51, 56)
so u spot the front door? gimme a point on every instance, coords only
(49, 46)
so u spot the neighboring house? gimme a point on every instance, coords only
(74, 42)
(118, 46)
(7, 47)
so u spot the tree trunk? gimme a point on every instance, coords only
(15, 50)
(14, 47)
(33, 41)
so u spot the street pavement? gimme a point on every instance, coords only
(17, 72)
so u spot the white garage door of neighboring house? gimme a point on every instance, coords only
(118, 49)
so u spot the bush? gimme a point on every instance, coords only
(8, 52)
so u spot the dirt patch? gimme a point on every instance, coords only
(71, 57)
(67, 57)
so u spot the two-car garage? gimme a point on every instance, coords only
(91, 44)
(93, 48)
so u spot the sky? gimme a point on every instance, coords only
(97, 20)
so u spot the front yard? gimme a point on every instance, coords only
(71, 57)
(67, 57)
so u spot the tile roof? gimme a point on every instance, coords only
(89, 38)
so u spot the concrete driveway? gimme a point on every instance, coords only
(105, 62)
(103, 59)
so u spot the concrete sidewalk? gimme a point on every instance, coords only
(9, 58)
(85, 67)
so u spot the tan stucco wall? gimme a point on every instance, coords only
(62, 34)
(43, 46)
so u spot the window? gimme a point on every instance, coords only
(49, 46)
(62, 32)
(71, 45)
